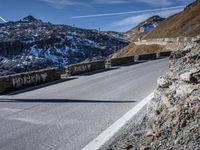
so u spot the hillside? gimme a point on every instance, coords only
(133, 49)
(185, 23)
(31, 44)
(137, 33)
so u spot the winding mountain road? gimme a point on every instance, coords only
(70, 114)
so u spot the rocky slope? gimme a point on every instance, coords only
(132, 49)
(176, 106)
(185, 23)
(173, 116)
(30, 44)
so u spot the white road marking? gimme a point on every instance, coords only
(107, 134)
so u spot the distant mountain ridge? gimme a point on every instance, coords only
(31, 44)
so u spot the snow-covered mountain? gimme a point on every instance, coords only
(144, 27)
(149, 24)
(30, 44)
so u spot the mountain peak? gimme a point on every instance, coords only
(148, 25)
(155, 18)
(30, 19)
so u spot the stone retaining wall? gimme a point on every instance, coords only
(22, 80)
(147, 56)
(170, 43)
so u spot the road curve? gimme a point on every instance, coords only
(68, 115)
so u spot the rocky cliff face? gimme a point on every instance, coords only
(175, 119)
(172, 119)
(30, 44)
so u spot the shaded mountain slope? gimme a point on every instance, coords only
(31, 44)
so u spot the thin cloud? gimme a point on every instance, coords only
(63, 3)
(110, 1)
(157, 2)
(129, 12)
(3, 19)
(130, 21)
(60, 4)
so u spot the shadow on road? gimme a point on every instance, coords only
(23, 90)
(62, 101)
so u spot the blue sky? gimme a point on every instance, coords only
(115, 15)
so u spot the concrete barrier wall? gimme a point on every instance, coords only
(85, 67)
(147, 56)
(32, 78)
(131, 59)
(165, 54)
(22, 80)
(121, 61)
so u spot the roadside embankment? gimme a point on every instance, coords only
(173, 116)
(170, 44)
(154, 46)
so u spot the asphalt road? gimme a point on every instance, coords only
(68, 115)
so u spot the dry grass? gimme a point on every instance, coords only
(186, 23)
(133, 49)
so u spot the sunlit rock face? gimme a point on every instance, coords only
(175, 110)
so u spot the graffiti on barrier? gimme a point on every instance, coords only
(82, 68)
(29, 79)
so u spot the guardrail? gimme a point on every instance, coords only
(165, 54)
(77, 69)
(120, 61)
(36, 77)
(28, 79)
(132, 59)
(147, 56)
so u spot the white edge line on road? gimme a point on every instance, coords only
(107, 134)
